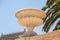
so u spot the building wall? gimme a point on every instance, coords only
(49, 36)
(11, 36)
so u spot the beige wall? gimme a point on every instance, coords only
(49, 36)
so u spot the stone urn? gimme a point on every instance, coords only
(30, 18)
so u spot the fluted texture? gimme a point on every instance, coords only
(30, 21)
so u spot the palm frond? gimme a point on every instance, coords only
(57, 0)
(44, 8)
(50, 3)
(51, 20)
(52, 9)
(57, 26)
(52, 14)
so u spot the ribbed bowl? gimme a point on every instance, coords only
(30, 21)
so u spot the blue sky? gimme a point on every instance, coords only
(8, 8)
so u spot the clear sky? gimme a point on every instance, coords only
(8, 8)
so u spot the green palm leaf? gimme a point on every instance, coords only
(52, 14)
(52, 10)
(48, 4)
(51, 20)
(57, 26)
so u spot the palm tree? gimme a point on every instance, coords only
(53, 14)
